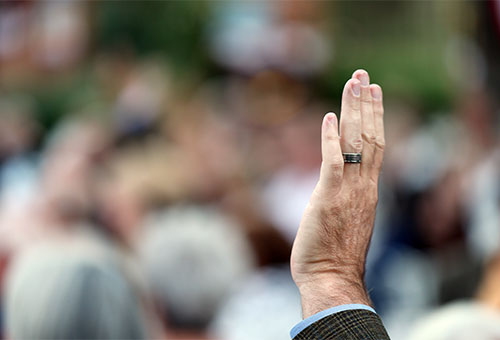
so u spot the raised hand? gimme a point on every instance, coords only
(329, 252)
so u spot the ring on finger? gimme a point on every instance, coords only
(350, 157)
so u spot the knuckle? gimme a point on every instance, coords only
(356, 145)
(380, 143)
(332, 137)
(366, 100)
(336, 166)
(369, 137)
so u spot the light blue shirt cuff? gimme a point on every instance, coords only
(313, 318)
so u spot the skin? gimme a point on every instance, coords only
(329, 252)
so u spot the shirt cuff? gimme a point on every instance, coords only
(313, 318)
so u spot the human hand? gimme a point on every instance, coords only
(329, 252)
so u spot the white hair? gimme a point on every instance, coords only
(70, 291)
(193, 257)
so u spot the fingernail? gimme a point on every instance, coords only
(330, 116)
(356, 90)
(376, 92)
(365, 80)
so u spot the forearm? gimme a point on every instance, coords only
(331, 291)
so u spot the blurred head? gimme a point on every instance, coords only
(69, 159)
(70, 291)
(193, 257)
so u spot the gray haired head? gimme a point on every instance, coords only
(65, 292)
(194, 256)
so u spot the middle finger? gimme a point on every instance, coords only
(367, 122)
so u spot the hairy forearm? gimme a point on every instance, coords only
(330, 291)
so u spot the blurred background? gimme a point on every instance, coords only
(156, 157)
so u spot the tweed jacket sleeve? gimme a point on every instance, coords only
(355, 324)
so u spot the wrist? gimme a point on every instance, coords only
(329, 291)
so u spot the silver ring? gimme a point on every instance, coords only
(352, 157)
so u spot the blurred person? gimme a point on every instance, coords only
(269, 245)
(60, 35)
(13, 29)
(271, 98)
(19, 137)
(425, 237)
(426, 219)
(15, 42)
(210, 148)
(19, 130)
(71, 288)
(482, 203)
(141, 100)
(256, 36)
(477, 318)
(263, 307)
(481, 173)
(416, 290)
(278, 117)
(286, 193)
(118, 207)
(19, 171)
(72, 152)
(60, 199)
(193, 257)
(210, 155)
(444, 212)
(112, 69)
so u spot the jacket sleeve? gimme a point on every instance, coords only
(358, 324)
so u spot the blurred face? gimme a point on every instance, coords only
(65, 183)
(68, 167)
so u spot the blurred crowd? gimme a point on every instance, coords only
(165, 206)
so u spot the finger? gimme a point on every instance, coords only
(332, 167)
(350, 126)
(367, 122)
(378, 110)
